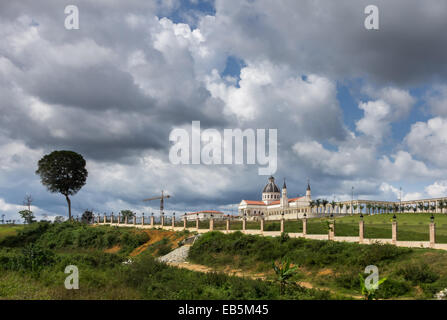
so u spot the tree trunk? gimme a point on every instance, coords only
(69, 207)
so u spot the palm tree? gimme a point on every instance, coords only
(432, 208)
(324, 203)
(441, 206)
(421, 206)
(368, 207)
(312, 204)
(395, 208)
(317, 204)
(333, 204)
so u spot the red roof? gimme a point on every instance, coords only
(206, 211)
(260, 203)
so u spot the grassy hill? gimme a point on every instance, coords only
(411, 273)
(411, 226)
(9, 230)
(115, 263)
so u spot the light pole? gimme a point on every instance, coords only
(400, 196)
(352, 200)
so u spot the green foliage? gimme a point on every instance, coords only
(159, 281)
(127, 213)
(348, 280)
(27, 216)
(284, 237)
(283, 272)
(370, 293)
(77, 235)
(214, 247)
(87, 216)
(418, 273)
(63, 172)
(59, 219)
(392, 288)
(31, 258)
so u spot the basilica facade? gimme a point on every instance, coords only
(275, 202)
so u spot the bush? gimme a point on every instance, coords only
(392, 288)
(418, 273)
(77, 235)
(156, 280)
(31, 258)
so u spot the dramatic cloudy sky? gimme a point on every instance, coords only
(353, 107)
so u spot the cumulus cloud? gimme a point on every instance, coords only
(392, 105)
(428, 140)
(114, 89)
(437, 189)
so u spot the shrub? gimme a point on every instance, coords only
(418, 273)
(392, 288)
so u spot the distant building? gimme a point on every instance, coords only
(205, 215)
(275, 202)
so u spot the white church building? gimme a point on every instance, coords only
(275, 203)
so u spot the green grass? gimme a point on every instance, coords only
(412, 273)
(411, 227)
(9, 230)
(32, 264)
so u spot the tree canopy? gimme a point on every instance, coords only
(63, 172)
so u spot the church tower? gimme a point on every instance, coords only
(308, 193)
(270, 192)
(284, 200)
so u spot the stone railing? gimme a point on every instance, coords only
(331, 235)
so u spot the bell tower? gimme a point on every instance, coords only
(308, 192)
(284, 200)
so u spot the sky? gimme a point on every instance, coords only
(352, 107)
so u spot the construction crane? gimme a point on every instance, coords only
(163, 196)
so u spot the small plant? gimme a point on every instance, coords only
(370, 292)
(284, 237)
(328, 225)
(283, 272)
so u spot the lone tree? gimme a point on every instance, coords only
(27, 215)
(63, 172)
(127, 213)
(87, 216)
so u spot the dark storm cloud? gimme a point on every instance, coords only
(100, 87)
(114, 89)
(329, 37)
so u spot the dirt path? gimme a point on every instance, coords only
(240, 273)
(156, 236)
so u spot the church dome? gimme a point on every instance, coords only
(271, 186)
